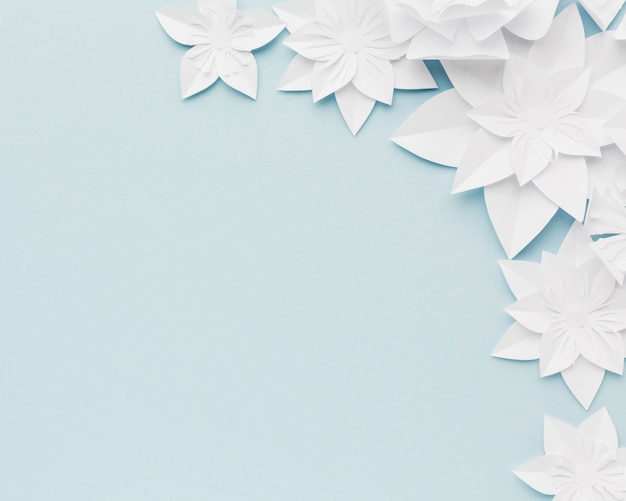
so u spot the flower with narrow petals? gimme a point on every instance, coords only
(466, 29)
(580, 464)
(524, 129)
(344, 49)
(570, 315)
(222, 38)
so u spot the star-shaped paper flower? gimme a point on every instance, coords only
(606, 220)
(570, 315)
(344, 49)
(466, 29)
(222, 38)
(580, 464)
(522, 128)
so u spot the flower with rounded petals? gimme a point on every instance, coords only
(570, 315)
(222, 38)
(524, 128)
(344, 49)
(581, 464)
(466, 29)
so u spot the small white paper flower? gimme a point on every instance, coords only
(606, 220)
(522, 128)
(466, 29)
(222, 38)
(570, 315)
(580, 464)
(344, 49)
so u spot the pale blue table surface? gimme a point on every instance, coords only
(227, 300)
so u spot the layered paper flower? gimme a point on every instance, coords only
(522, 128)
(606, 219)
(580, 464)
(222, 38)
(466, 29)
(344, 49)
(570, 315)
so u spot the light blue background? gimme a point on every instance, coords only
(219, 299)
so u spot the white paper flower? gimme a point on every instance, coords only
(570, 315)
(344, 49)
(223, 38)
(606, 219)
(580, 464)
(522, 128)
(466, 29)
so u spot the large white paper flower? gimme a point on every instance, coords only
(466, 29)
(344, 49)
(606, 218)
(570, 315)
(522, 128)
(222, 38)
(580, 464)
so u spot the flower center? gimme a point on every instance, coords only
(538, 119)
(587, 476)
(352, 41)
(576, 315)
(221, 38)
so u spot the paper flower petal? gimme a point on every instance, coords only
(412, 74)
(533, 22)
(263, 30)
(531, 312)
(517, 213)
(600, 427)
(244, 80)
(299, 75)
(183, 24)
(355, 107)
(437, 124)
(583, 379)
(194, 79)
(296, 14)
(522, 277)
(558, 436)
(518, 343)
(602, 11)
(538, 474)
(475, 81)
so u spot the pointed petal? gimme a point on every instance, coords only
(487, 160)
(599, 427)
(604, 349)
(299, 75)
(564, 182)
(564, 44)
(576, 247)
(296, 14)
(517, 213)
(496, 116)
(264, 28)
(583, 379)
(558, 436)
(613, 82)
(375, 78)
(602, 12)
(522, 277)
(244, 80)
(192, 78)
(532, 312)
(402, 26)
(355, 107)
(437, 124)
(533, 22)
(330, 77)
(476, 81)
(412, 74)
(182, 24)
(530, 156)
(518, 343)
(538, 474)
(557, 353)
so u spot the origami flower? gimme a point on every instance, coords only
(466, 29)
(344, 49)
(570, 315)
(223, 38)
(522, 128)
(606, 219)
(581, 464)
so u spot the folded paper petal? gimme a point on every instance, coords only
(538, 474)
(602, 11)
(296, 14)
(355, 107)
(244, 80)
(518, 343)
(522, 277)
(299, 75)
(411, 74)
(475, 81)
(184, 24)
(533, 22)
(263, 29)
(194, 79)
(583, 378)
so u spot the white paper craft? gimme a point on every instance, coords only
(606, 215)
(602, 11)
(522, 128)
(580, 464)
(344, 49)
(462, 29)
(571, 315)
(222, 38)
